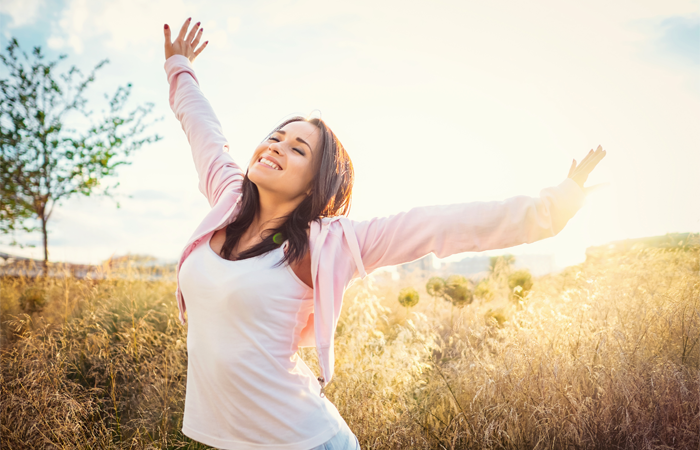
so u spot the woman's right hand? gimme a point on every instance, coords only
(185, 43)
(580, 173)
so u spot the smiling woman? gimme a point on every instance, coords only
(285, 189)
(283, 255)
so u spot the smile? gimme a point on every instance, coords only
(270, 164)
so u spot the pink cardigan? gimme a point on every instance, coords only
(344, 249)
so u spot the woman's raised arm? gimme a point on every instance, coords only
(475, 226)
(217, 171)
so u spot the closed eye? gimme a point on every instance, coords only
(298, 150)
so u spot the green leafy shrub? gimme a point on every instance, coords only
(495, 317)
(435, 287)
(520, 283)
(485, 290)
(408, 297)
(457, 290)
(33, 299)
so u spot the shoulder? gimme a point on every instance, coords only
(326, 236)
(325, 226)
(330, 251)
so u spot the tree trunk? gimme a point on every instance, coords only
(46, 248)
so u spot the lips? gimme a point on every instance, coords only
(269, 162)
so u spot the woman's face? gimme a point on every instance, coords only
(285, 164)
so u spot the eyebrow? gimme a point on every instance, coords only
(298, 139)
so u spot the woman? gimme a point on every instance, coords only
(265, 271)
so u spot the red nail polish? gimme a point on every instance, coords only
(166, 26)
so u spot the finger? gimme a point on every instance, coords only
(585, 159)
(196, 39)
(596, 159)
(589, 163)
(166, 31)
(580, 173)
(190, 36)
(571, 169)
(583, 170)
(202, 47)
(183, 30)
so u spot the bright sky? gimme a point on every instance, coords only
(436, 102)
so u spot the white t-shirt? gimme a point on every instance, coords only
(246, 386)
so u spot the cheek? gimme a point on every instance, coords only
(256, 154)
(300, 174)
(308, 172)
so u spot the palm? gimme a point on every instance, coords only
(579, 173)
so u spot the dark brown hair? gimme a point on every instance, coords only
(330, 196)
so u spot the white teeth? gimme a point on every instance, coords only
(269, 163)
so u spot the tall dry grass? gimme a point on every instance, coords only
(603, 355)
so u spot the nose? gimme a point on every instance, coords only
(274, 146)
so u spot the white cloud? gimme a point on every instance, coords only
(55, 42)
(22, 12)
(507, 92)
(121, 24)
(215, 36)
(233, 24)
(302, 13)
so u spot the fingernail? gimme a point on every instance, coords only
(189, 18)
(166, 26)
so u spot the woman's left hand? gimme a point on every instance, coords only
(185, 43)
(580, 173)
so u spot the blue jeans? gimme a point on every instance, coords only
(343, 440)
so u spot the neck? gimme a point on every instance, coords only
(272, 211)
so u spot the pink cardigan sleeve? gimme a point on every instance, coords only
(215, 167)
(466, 227)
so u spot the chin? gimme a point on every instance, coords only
(257, 180)
(253, 178)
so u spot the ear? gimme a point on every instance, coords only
(310, 188)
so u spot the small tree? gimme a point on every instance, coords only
(501, 261)
(14, 208)
(500, 269)
(42, 162)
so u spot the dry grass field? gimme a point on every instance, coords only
(603, 355)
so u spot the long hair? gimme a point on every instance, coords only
(330, 196)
